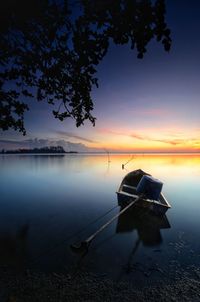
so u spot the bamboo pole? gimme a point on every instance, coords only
(85, 244)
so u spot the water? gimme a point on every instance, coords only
(46, 200)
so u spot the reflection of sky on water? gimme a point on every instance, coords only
(52, 197)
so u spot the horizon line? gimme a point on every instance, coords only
(110, 152)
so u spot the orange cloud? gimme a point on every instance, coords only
(150, 140)
(146, 138)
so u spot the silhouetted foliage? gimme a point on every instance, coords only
(49, 50)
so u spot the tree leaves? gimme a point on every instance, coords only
(49, 51)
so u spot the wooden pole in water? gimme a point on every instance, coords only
(123, 165)
(108, 154)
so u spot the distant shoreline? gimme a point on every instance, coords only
(31, 152)
(96, 153)
(60, 150)
(43, 150)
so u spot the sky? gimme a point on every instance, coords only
(148, 105)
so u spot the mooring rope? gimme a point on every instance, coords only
(49, 251)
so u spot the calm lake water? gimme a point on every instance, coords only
(47, 199)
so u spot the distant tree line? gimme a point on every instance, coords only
(52, 149)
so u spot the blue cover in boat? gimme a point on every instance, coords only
(149, 186)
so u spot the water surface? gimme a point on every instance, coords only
(47, 199)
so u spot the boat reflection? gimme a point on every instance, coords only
(146, 224)
(148, 228)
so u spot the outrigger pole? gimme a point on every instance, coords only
(84, 245)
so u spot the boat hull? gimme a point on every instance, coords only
(127, 193)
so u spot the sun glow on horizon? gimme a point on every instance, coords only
(148, 140)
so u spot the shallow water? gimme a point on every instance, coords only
(47, 199)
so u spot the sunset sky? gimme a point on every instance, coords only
(144, 105)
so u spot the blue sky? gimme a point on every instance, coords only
(141, 105)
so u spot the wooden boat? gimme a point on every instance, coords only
(127, 193)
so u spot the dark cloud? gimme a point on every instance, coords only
(39, 143)
(11, 142)
(138, 136)
(73, 135)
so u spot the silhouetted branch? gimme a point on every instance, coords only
(49, 51)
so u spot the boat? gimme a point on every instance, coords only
(127, 192)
